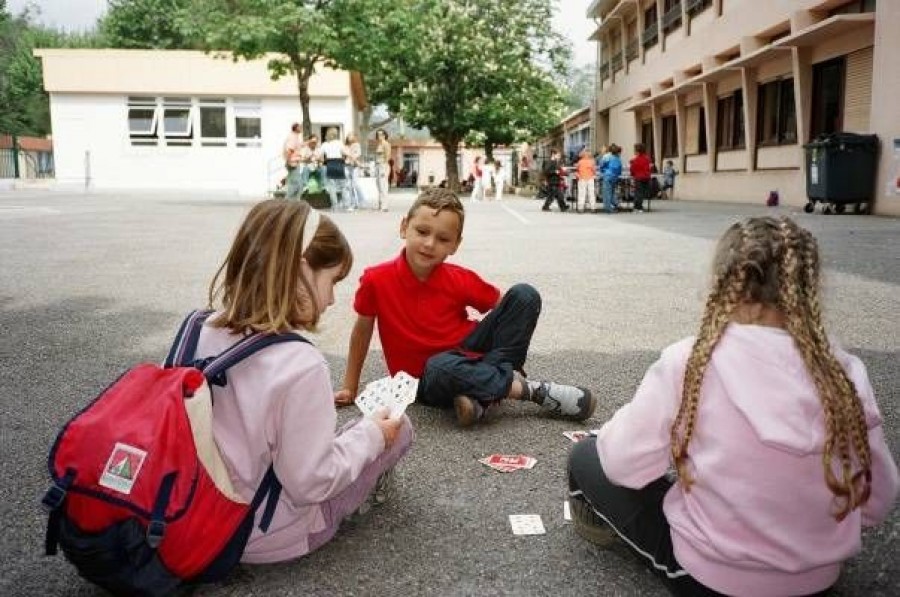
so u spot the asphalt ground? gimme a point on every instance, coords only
(93, 283)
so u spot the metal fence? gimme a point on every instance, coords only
(26, 164)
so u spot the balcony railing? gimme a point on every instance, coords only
(616, 61)
(631, 50)
(672, 18)
(650, 35)
(604, 71)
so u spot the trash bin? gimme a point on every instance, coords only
(841, 169)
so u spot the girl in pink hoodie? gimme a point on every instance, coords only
(751, 456)
(278, 405)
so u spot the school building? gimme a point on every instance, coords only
(177, 120)
(731, 90)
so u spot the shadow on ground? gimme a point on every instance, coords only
(446, 531)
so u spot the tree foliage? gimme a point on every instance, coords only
(301, 32)
(459, 67)
(24, 106)
(146, 24)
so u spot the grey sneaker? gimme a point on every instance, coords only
(384, 487)
(570, 402)
(588, 525)
(468, 410)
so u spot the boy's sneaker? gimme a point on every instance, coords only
(570, 402)
(384, 487)
(468, 411)
(588, 525)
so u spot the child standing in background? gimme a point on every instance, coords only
(775, 440)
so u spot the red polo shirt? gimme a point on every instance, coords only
(419, 319)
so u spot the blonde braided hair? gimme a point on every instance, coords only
(775, 263)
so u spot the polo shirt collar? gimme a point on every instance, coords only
(407, 278)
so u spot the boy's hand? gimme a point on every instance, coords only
(344, 397)
(390, 428)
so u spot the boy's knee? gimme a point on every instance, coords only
(525, 293)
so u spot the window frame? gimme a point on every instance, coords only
(772, 127)
(730, 120)
(246, 109)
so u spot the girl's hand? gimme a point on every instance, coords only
(390, 428)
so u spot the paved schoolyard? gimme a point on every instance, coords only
(90, 284)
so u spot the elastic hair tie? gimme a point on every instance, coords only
(309, 229)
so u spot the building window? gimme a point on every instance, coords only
(647, 138)
(669, 137)
(777, 120)
(730, 122)
(828, 97)
(248, 124)
(671, 15)
(695, 7)
(411, 164)
(650, 34)
(177, 121)
(213, 128)
(701, 134)
(856, 6)
(143, 120)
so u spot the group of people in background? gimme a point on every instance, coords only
(602, 173)
(336, 166)
(485, 176)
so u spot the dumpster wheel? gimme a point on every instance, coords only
(861, 208)
(809, 207)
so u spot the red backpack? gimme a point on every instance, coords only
(141, 502)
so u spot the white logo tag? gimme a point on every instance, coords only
(122, 468)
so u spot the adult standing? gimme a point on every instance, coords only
(639, 167)
(585, 170)
(487, 177)
(477, 187)
(499, 180)
(612, 170)
(382, 167)
(553, 177)
(291, 154)
(353, 151)
(333, 155)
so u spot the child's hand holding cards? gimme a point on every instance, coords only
(393, 393)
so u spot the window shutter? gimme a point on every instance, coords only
(858, 97)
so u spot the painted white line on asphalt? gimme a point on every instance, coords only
(516, 215)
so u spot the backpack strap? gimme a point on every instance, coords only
(185, 345)
(214, 369)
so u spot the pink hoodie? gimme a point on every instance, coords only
(278, 407)
(757, 520)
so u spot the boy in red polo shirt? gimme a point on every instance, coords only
(420, 302)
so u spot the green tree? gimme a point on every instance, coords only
(457, 67)
(146, 24)
(301, 34)
(579, 87)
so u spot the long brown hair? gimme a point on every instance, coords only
(260, 284)
(775, 262)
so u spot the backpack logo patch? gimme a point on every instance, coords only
(122, 468)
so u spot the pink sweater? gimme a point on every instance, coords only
(757, 519)
(279, 406)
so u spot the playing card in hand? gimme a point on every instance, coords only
(394, 393)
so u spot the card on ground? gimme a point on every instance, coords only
(508, 463)
(567, 512)
(526, 524)
(577, 436)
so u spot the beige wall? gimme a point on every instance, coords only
(175, 72)
(750, 34)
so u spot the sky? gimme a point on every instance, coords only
(81, 15)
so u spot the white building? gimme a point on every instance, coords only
(158, 119)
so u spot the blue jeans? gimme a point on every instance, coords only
(335, 186)
(609, 195)
(500, 344)
(294, 187)
(357, 198)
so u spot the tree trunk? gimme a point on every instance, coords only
(488, 150)
(451, 149)
(364, 128)
(304, 69)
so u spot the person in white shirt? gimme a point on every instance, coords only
(334, 155)
(499, 180)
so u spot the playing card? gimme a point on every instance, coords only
(577, 436)
(526, 524)
(394, 393)
(567, 513)
(507, 464)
